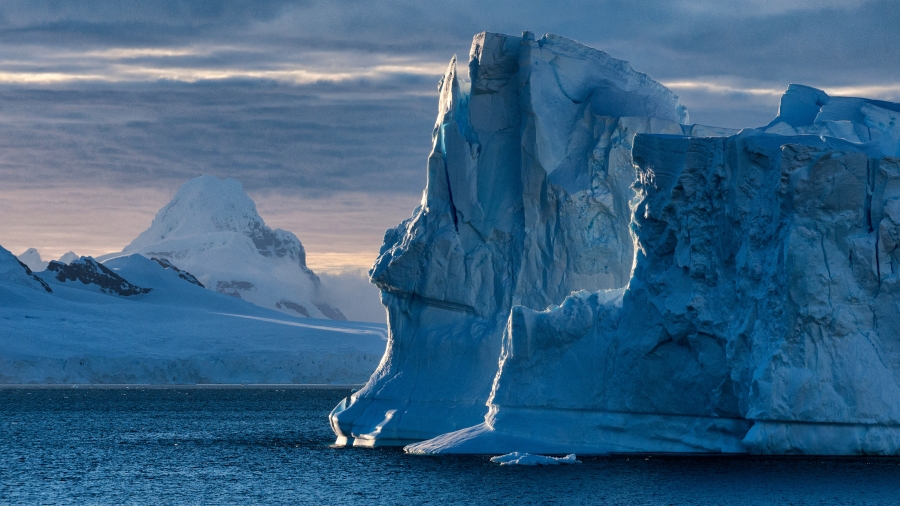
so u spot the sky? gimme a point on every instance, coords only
(324, 110)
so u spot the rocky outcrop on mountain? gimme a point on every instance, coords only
(185, 275)
(760, 316)
(330, 311)
(88, 271)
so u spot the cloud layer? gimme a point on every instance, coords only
(332, 103)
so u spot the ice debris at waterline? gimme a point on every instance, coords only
(647, 286)
(527, 459)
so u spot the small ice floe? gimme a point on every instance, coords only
(527, 459)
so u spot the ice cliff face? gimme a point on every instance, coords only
(212, 230)
(741, 293)
(760, 317)
(526, 201)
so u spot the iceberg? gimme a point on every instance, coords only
(760, 316)
(576, 286)
(527, 200)
(808, 111)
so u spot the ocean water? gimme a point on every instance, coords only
(249, 445)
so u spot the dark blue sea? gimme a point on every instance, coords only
(253, 445)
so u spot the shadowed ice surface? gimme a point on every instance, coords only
(251, 445)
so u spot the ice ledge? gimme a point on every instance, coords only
(553, 431)
(589, 432)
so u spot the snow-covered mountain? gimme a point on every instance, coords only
(32, 259)
(588, 274)
(137, 320)
(211, 229)
(70, 256)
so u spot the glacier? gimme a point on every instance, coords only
(588, 273)
(133, 320)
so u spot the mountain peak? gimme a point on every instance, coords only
(202, 205)
(69, 257)
(211, 229)
(208, 205)
(32, 258)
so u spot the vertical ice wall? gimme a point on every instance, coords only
(761, 315)
(527, 200)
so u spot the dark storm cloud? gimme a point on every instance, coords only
(755, 39)
(835, 43)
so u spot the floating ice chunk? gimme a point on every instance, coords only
(528, 459)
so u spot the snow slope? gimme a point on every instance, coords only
(175, 333)
(212, 230)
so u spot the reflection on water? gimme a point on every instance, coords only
(250, 445)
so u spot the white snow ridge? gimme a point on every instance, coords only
(645, 285)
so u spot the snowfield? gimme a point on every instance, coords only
(177, 333)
